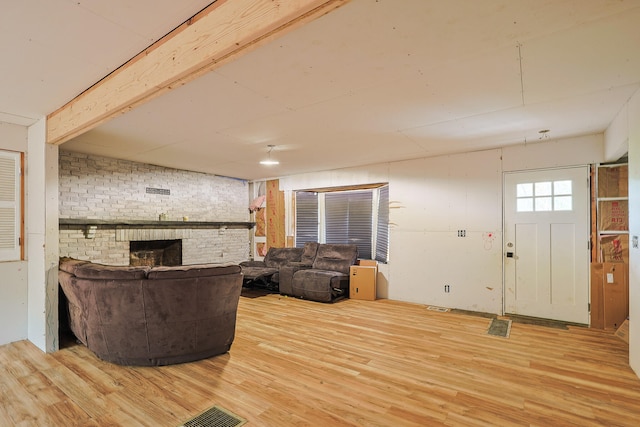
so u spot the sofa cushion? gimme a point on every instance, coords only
(335, 257)
(108, 272)
(277, 257)
(189, 271)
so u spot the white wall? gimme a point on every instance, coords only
(632, 112)
(617, 136)
(556, 153)
(42, 238)
(431, 199)
(434, 198)
(13, 275)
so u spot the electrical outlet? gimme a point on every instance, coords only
(447, 288)
(462, 233)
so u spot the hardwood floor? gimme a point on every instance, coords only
(352, 363)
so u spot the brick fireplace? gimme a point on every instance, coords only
(105, 204)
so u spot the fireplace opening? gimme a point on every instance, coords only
(155, 252)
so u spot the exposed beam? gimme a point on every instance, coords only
(219, 33)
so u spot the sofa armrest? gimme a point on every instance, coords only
(299, 265)
(286, 276)
(252, 264)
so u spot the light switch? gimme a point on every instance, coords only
(634, 242)
(609, 277)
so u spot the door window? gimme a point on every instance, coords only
(544, 196)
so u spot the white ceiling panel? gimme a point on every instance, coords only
(161, 15)
(591, 57)
(55, 49)
(371, 82)
(523, 124)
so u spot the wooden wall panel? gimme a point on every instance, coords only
(275, 215)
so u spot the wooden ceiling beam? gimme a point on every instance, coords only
(218, 34)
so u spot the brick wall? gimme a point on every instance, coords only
(110, 189)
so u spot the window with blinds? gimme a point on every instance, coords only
(359, 217)
(10, 193)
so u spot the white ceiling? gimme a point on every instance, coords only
(373, 81)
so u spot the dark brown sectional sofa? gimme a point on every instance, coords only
(319, 273)
(149, 316)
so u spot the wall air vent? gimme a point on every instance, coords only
(161, 191)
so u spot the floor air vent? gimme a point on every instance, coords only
(215, 417)
(499, 328)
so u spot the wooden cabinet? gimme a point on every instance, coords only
(362, 281)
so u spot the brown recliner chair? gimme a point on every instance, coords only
(287, 271)
(326, 279)
(265, 273)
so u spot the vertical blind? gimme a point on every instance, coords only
(382, 235)
(358, 217)
(9, 206)
(348, 219)
(306, 218)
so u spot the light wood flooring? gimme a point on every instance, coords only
(352, 363)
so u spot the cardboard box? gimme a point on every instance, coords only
(362, 281)
(609, 295)
(613, 215)
(623, 331)
(614, 248)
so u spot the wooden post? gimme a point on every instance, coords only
(275, 215)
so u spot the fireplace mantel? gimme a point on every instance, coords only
(134, 223)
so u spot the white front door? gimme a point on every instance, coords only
(546, 238)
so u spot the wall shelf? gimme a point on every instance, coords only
(612, 224)
(115, 223)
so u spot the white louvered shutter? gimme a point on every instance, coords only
(9, 206)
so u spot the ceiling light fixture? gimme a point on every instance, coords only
(544, 133)
(269, 161)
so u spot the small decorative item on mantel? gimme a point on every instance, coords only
(162, 216)
(185, 218)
